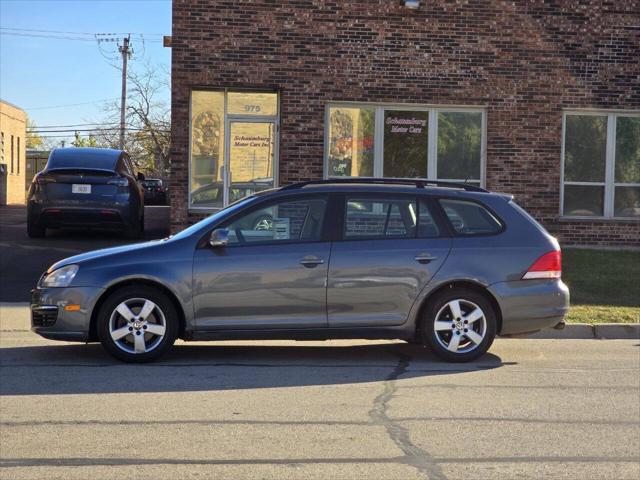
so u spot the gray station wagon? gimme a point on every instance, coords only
(444, 264)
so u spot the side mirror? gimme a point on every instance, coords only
(140, 177)
(219, 238)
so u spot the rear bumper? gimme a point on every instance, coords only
(150, 198)
(530, 305)
(63, 216)
(49, 318)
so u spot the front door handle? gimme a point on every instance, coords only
(311, 261)
(425, 258)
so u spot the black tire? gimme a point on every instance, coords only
(439, 306)
(136, 229)
(34, 231)
(157, 349)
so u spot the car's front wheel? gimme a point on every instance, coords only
(137, 324)
(35, 231)
(459, 325)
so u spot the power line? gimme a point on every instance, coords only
(40, 127)
(78, 33)
(58, 37)
(71, 104)
(84, 135)
(99, 37)
(95, 130)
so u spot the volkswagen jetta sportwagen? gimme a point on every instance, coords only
(448, 265)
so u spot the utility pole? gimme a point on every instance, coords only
(126, 52)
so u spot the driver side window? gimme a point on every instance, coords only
(286, 221)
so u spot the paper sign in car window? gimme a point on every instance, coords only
(281, 229)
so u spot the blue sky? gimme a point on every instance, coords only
(38, 72)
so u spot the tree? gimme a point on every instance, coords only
(84, 142)
(34, 141)
(148, 120)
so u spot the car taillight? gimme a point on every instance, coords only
(42, 179)
(119, 182)
(548, 265)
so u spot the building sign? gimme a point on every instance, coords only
(405, 143)
(251, 151)
(251, 103)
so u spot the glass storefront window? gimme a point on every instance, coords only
(251, 150)
(459, 145)
(351, 133)
(207, 143)
(405, 143)
(232, 151)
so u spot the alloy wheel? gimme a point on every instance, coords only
(460, 326)
(137, 325)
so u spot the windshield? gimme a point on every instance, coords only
(205, 223)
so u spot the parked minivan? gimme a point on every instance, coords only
(86, 187)
(447, 265)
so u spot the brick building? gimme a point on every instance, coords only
(541, 100)
(13, 152)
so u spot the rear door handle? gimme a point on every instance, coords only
(311, 261)
(425, 258)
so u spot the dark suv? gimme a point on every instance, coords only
(155, 192)
(447, 265)
(86, 187)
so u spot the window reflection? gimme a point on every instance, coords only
(207, 141)
(351, 142)
(459, 145)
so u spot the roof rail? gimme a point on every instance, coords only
(418, 182)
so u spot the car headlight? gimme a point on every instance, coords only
(61, 277)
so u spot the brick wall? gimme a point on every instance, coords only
(13, 126)
(524, 61)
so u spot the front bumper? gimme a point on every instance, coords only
(51, 320)
(530, 305)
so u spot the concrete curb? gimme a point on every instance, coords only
(14, 317)
(617, 330)
(577, 331)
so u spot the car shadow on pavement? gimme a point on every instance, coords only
(86, 369)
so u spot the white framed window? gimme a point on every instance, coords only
(386, 140)
(600, 175)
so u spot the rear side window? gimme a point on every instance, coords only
(375, 218)
(470, 218)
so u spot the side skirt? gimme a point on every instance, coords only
(302, 334)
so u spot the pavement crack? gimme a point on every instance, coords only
(413, 455)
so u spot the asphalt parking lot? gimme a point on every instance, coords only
(342, 409)
(529, 409)
(23, 259)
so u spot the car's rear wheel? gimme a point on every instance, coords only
(137, 324)
(34, 231)
(459, 325)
